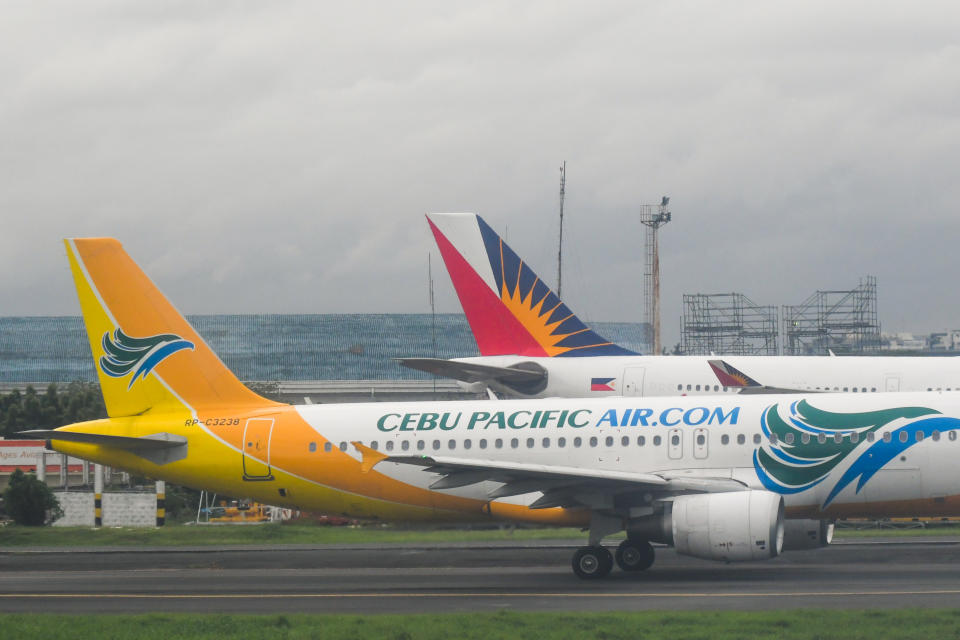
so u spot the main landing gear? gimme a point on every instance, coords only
(595, 562)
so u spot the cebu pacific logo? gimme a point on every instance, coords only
(137, 355)
(805, 444)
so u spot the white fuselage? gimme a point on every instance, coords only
(710, 437)
(569, 377)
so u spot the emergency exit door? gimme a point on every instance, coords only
(256, 449)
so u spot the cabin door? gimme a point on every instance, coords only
(700, 443)
(633, 381)
(891, 382)
(256, 449)
(675, 444)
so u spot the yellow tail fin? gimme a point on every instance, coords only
(147, 356)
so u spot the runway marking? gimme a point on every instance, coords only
(249, 596)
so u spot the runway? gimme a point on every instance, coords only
(461, 578)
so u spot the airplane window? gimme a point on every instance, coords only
(854, 437)
(929, 388)
(675, 440)
(903, 436)
(805, 438)
(886, 436)
(421, 445)
(641, 441)
(374, 445)
(328, 446)
(953, 435)
(561, 442)
(701, 440)
(405, 445)
(741, 439)
(870, 436)
(838, 438)
(313, 447)
(451, 444)
(788, 438)
(724, 439)
(483, 443)
(845, 389)
(688, 387)
(656, 441)
(577, 442)
(919, 435)
(498, 443)
(873, 389)
(679, 387)
(756, 438)
(467, 444)
(773, 438)
(343, 446)
(546, 443)
(854, 389)
(716, 387)
(863, 390)
(625, 441)
(514, 443)
(593, 441)
(530, 443)
(821, 438)
(836, 388)
(436, 445)
(698, 387)
(609, 441)
(936, 436)
(389, 445)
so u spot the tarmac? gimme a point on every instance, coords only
(436, 578)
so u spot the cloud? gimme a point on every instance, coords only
(280, 157)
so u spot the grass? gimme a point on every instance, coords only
(306, 533)
(270, 533)
(810, 624)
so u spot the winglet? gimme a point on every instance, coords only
(729, 376)
(371, 457)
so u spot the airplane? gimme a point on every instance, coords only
(532, 346)
(728, 478)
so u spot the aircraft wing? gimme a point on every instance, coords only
(472, 372)
(561, 486)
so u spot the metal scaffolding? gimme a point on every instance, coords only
(839, 321)
(727, 324)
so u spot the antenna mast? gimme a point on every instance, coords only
(653, 217)
(563, 188)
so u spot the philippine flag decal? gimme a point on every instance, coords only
(602, 384)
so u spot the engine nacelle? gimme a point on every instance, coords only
(806, 534)
(735, 526)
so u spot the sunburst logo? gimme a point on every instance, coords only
(808, 444)
(124, 354)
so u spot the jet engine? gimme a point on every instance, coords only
(806, 534)
(735, 526)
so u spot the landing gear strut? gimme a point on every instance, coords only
(634, 555)
(591, 563)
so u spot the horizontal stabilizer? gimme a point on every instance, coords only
(471, 372)
(159, 448)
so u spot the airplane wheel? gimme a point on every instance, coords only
(591, 563)
(635, 555)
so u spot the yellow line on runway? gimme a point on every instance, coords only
(244, 596)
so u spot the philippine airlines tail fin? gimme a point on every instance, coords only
(510, 310)
(147, 355)
(730, 376)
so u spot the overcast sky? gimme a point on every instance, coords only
(279, 156)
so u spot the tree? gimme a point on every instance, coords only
(29, 501)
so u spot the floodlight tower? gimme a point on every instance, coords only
(653, 217)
